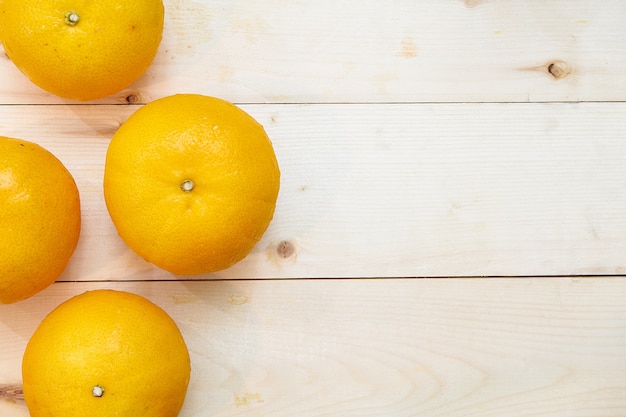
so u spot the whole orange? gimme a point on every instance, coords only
(81, 49)
(39, 218)
(191, 183)
(106, 353)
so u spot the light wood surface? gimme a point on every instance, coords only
(450, 234)
(401, 347)
(405, 50)
(393, 190)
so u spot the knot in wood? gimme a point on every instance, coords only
(559, 69)
(133, 98)
(285, 249)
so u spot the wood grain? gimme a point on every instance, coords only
(514, 347)
(460, 138)
(393, 190)
(405, 51)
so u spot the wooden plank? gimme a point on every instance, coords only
(439, 347)
(408, 51)
(400, 170)
(393, 190)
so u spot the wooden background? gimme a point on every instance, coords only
(450, 236)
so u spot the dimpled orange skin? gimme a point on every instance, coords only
(110, 46)
(39, 218)
(231, 162)
(115, 340)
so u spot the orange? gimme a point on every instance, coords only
(106, 353)
(39, 218)
(191, 183)
(81, 49)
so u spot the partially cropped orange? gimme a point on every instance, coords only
(39, 218)
(191, 183)
(81, 49)
(106, 353)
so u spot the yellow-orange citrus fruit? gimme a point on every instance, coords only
(81, 49)
(106, 353)
(39, 218)
(191, 183)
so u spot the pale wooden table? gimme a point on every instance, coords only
(450, 237)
